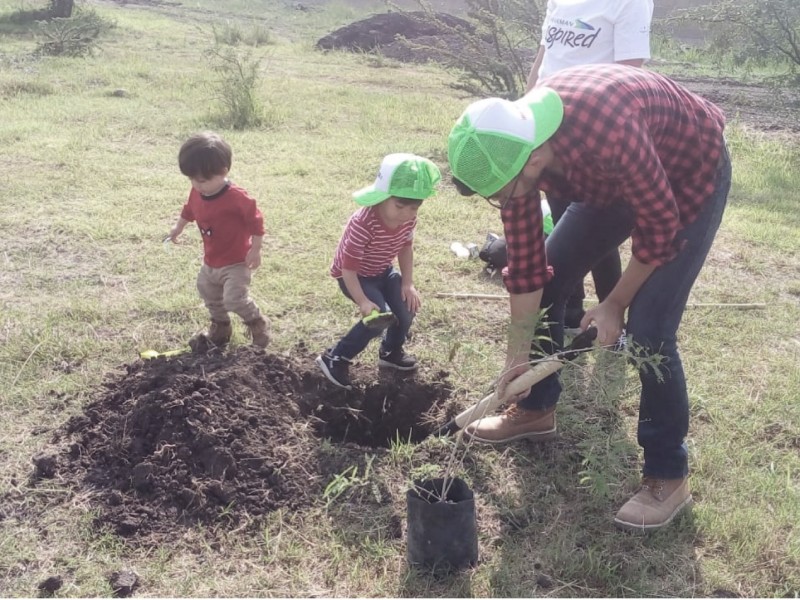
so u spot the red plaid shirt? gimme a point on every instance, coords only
(629, 135)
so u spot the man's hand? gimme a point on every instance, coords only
(512, 369)
(411, 297)
(609, 318)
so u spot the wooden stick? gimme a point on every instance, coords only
(463, 295)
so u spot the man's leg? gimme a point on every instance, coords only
(653, 321)
(582, 234)
(605, 272)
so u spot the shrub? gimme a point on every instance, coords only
(232, 34)
(768, 30)
(31, 88)
(496, 55)
(74, 36)
(237, 88)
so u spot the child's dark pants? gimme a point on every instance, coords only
(385, 291)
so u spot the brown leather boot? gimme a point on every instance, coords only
(515, 424)
(654, 505)
(219, 332)
(259, 331)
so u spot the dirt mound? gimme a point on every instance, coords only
(381, 32)
(226, 437)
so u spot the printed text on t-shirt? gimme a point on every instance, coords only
(570, 38)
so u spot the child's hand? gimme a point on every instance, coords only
(367, 307)
(411, 297)
(253, 258)
(172, 236)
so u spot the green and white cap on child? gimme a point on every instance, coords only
(401, 175)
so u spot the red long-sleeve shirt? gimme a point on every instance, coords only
(628, 135)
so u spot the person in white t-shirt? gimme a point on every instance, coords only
(580, 32)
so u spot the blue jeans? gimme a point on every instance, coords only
(386, 292)
(585, 234)
(605, 272)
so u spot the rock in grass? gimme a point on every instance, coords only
(51, 585)
(124, 583)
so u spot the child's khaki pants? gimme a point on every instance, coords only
(227, 289)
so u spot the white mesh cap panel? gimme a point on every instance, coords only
(503, 117)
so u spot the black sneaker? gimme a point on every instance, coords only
(397, 359)
(335, 368)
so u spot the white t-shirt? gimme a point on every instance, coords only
(580, 32)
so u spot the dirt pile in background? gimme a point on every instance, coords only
(226, 437)
(390, 35)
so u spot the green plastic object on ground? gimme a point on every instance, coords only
(149, 354)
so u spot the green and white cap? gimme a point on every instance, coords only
(401, 175)
(493, 138)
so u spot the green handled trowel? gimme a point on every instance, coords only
(148, 354)
(377, 320)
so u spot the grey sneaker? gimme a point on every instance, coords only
(335, 368)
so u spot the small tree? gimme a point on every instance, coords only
(74, 36)
(495, 56)
(239, 76)
(768, 29)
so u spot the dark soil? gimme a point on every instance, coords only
(759, 106)
(226, 437)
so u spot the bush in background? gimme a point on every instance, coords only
(760, 31)
(233, 34)
(236, 89)
(496, 56)
(74, 36)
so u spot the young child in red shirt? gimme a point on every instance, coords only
(232, 228)
(363, 265)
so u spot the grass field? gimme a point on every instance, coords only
(92, 186)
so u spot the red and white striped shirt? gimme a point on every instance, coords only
(369, 247)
